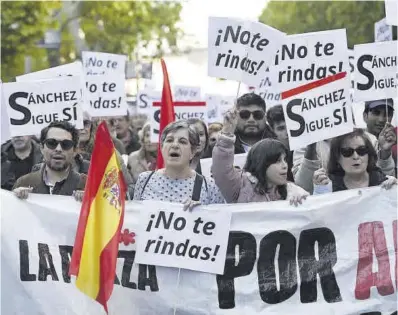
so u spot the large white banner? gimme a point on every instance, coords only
(312, 73)
(376, 71)
(332, 255)
(240, 49)
(32, 105)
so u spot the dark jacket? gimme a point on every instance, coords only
(7, 176)
(376, 177)
(74, 181)
(9, 150)
(81, 165)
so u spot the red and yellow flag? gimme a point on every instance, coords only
(101, 219)
(166, 110)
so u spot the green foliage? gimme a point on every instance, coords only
(23, 24)
(109, 26)
(118, 26)
(295, 17)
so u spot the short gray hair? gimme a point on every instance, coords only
(193, 135)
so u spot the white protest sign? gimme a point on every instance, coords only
(205, 164)
(313, 72)
(182, 110)
(351, 61)
(186, 93)
(74, 69)
(268, 91)
(240, 50)
(31, 106)
(391, 7)
(103, 63)
(145, 99)
(376, 71)
(217, 105)
(5, 122)
(196, 241)
(383, 31)
(105, 95)
(318, 258)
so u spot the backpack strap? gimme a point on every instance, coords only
(197, 187)
(146, 182)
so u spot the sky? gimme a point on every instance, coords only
(195, 14)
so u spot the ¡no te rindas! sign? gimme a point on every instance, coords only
(240, 49)
(312, 73)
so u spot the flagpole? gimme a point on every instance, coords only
(178, 283)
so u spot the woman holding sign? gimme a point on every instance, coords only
(264, 176)
(178, 182)
(352, 165)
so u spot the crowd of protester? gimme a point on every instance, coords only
(57, 161)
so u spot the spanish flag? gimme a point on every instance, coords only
(101, 218)
(166, 111)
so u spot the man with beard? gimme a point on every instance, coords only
(56, 177)
(22, 153)
(252, 126)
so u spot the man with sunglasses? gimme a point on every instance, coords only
(251, 126)
(56, 177)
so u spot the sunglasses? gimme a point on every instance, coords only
(52, 144)
(257, 114)
(347, 152)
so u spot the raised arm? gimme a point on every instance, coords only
(226, 177)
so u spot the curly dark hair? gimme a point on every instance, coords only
(67, 126)
(334, 167)
(263, 154)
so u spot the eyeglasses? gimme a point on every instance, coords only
(347, 152)
(257, 114)
(52, 144)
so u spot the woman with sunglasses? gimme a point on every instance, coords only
(352, 165)
(264, 176)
